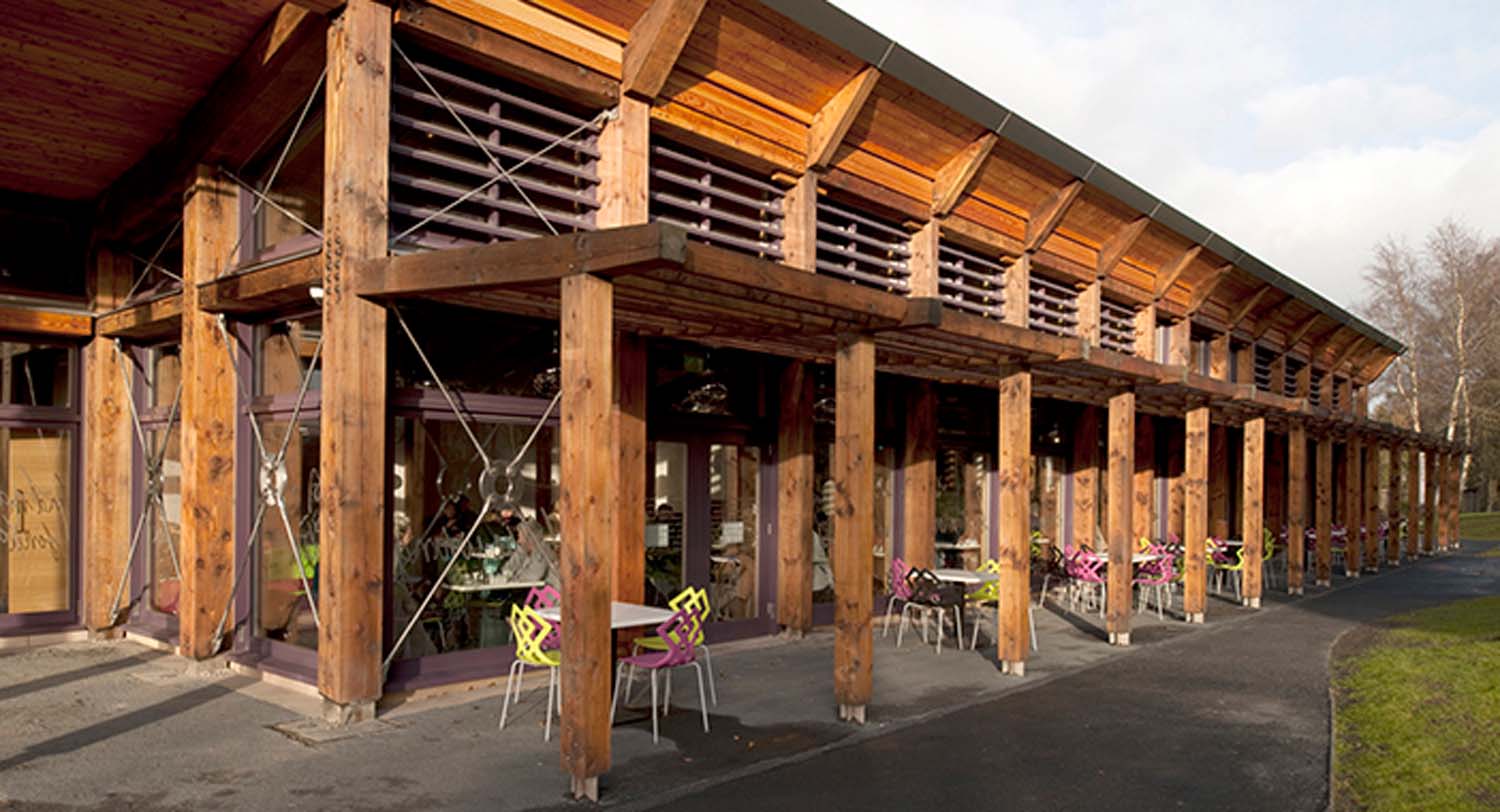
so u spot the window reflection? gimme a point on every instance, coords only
(35, 540)
(666, 501)
(734, 494)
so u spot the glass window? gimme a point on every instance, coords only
(285, 606)
(666, 499)
(297, 192)
(164, 522)
(437, 500)
(963, 507)
(476, 351)
(35, 374)
(734, 499)
(286, 348)
(36, 552)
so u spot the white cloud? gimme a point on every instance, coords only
(1301, 138)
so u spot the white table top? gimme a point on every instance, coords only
(958, 576)
(485, 586)
(971, 544)
(621, 615)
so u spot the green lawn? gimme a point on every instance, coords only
(1479, 526)
(1418, 712)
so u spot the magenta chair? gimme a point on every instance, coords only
(678, 632)
(1086, 574)
(900, 591)
(546, 597)
(1157, 576)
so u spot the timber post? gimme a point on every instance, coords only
(107, 451)
(1118, 525)
(1296, 508)
(1252, 508)
(1323, 497)
(853, 524)
(1013, 642)
(1195, 514)
(794, 494)
(919, 475)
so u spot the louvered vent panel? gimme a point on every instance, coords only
(862, 248)
(1052, 306)
(972, 282)
(1263, 359)
(1116, 326)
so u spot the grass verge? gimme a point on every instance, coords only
(1417, 712)
(1479, 526)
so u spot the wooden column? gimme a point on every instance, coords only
(1370, 456)
(1086, 478)
(1014, 464)
(1393, 506)
(799, 225)
(209, 224)
(1218, 481)
(1218, 357)
(1323, 497)
(853, 525)
(353, 464)
(1455, 493)
(1195, 514)
(1354, 556)
(630, 439)
(1276, 483)
(624, 181)
(1145, 332)
(589, 478)
(1089, 312)
(1120, 472)
(1413, 501)
(919, 475)
(1018, 292)
(794, 500)
(1143, 485)
(1296, 507)
(108, 443)
(1429, 505)
(1252, 508)
(923, 265)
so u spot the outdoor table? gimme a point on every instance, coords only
(486, 586)
(965, 577)
(621, 615)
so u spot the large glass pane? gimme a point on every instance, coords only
(285, 606)
(963, 507)
(164, 522)
(439, 493)
(666, 503)
(35, 374)
(297, 192)
(36, 479)
(480, 352)
(734, 496)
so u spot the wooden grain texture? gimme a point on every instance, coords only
(1143, 513)
(1370, 454)
(1118, 524)
(1393, 504)
(1323, 509)
(108, 445)
(630, 394)
(1046, 217)
(655, 41)
(853, 520)
(953, 180)
(1218, 481)
(1429, 502)
(41, 321)
(1252, 506)
(799, 224)
(352, 462)
(919, 474)
(1180, 343)
(794, 498)
(1175, 482)
(209, 223)
(1275, 485)
(1296, 507)
(153, 321)
(1089, 312)
(1085, 466)
(1354, 501)
(1168, 274)
(922, 267)
(1145, 332)
(1204, 289)
(1413, 483)
(1218, 357)
(1014, 468)
(1017, 292)
(283, 287)
(624, 168)
(589, 478)
(832, 122)
(1113, 251)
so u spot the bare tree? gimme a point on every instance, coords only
(1396, 305)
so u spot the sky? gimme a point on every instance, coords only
(1305, 132)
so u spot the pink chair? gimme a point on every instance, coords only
(678, 632)
(546, 597)
(1158, 576)
(1086, 575)
(900, 591)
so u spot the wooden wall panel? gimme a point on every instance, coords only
(853, 524)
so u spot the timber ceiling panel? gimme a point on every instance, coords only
(1017, 180)
(910, 129)
(93, 84)
(612, 18)
(1002, 220)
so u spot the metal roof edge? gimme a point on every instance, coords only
(859, 38)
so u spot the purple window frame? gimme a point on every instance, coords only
(145, 619)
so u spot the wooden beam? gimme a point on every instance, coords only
(285, 286)
(352, 463)
(1344, 354)
(159, 319)
(1206, 288)
(923, 265)
(919, 475)
(1143, 514)
(1393, 505)
(1114, 249)
(497, 53)
(853, 524)
(108, 446)
(247, 105)
(1218, 357)
(1168, 275)
(799, 224)
(41, 321)
(1296, 506)
(832, 122)
(1180, 343)
(1323, 499)
(624, 172)
(1085, 468)
(1018, 293)
(1252, 507)
(1090, 312)
(1239, 313)
(1044, 220)
(1195, 513)
(954, 178)
(630, 393)
(1014, 468)
(655, 41)
(794, 505)
(209, 224)
(1119, 523)
(1145, 332)
(1264, 326)
(589, 478)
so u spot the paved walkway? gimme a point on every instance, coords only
(1236, 717)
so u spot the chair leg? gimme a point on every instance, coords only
(614, 703)
(713, 690)
(974, 638)
(655, 735)
(666, 702)
(901, 627)
(890, 606)
(1042, 596)
(510, 680)
(958, 626)
(630, 684)
(1031, 621)
(702, 701)
(551, 687)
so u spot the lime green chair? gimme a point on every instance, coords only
(1267, 556)
(1235, 569)
(695, 600)
(988, 594)
(531, 631)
